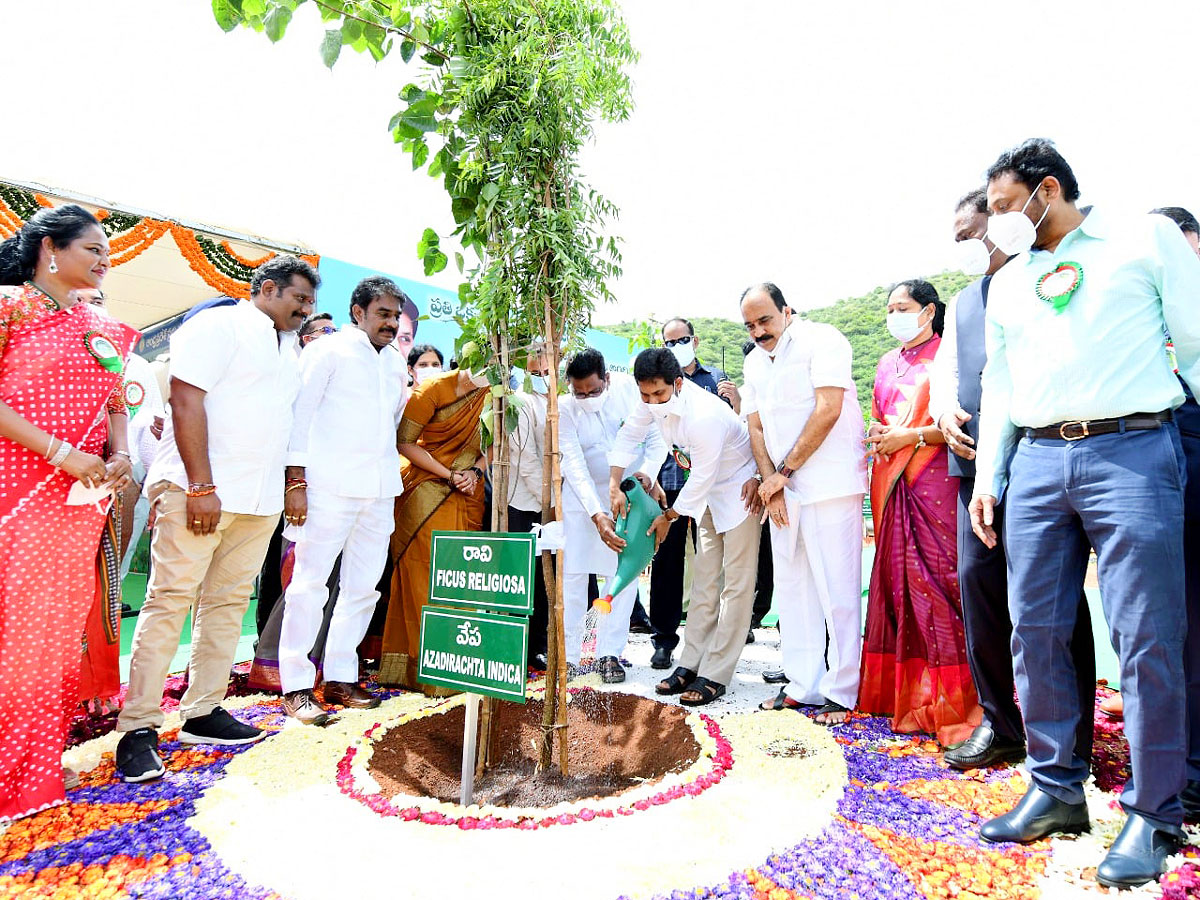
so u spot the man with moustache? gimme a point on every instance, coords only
(806, 431)
(1078, 381)
(983, 571)
(343, 454)
(217, 486)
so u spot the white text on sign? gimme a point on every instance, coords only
(490, 582)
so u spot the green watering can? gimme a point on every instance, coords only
(639, 546)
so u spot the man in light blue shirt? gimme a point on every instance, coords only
(1077, 426)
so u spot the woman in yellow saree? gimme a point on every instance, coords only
(440, 440)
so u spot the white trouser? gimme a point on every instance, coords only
(141, 515)
(612, 629)
(818, 588)
(360, 530)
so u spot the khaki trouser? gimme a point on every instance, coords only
(215, 572)
(718, 618)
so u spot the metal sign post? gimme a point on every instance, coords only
(470, 731)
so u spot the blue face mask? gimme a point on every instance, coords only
(538, 384)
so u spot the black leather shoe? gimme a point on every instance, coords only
(1190, 798)
(661, 659)
(775, 676)
(1037, 815)
(982, 749)
(1139, 854)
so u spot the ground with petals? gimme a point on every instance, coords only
(861, 812)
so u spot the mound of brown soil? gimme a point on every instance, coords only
(617, 741)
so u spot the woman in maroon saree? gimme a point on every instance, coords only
(914, 663)
(60, 375)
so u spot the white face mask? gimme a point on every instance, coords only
(423, 374)
(973, 256)
(479, 379)
(593, 404)
(1013, 232)
(904, 326)
(662, 410)
(685, 354)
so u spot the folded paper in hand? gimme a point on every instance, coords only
(82, 495)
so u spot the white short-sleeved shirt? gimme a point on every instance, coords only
(345, 416)
(249, 374)
(781, 388)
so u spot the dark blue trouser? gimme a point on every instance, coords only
(1123, 495)
(983, 584)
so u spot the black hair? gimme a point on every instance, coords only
(924, 293)
(373, 287)
(281, 269)
(657, 362)
(588, 361)
(680, 319)
(62, 224)
(311, 320)
(1032, 162)
(748, 346)
(771, 291)
(1180, 216)
(419, 350)
(976, 200)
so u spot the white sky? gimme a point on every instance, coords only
(818, 145)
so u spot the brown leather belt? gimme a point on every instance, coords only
(1078, 430)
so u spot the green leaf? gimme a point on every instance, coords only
(459, 261)
(330, 11)
(421, 122)
(228, 17)
(351, 30)
(434, 59)
(489, 191)
(331, 47)
(399, 14)
(420, 153)
(428, 243)
(434, 261)
(276, 22)
(462, 208)
(407, 49)
(253, 7)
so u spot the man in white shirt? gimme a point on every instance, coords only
(218, 486)
(711, 444)
(806, 428)
(590, 417)
(525, 462)
(343, 455)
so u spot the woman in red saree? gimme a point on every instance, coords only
(914, 664)
(60, 374)
(440, 439)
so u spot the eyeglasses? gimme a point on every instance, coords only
(686, 339)
(328, 329)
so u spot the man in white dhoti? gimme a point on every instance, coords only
(343, 445)
(710, 443)
(590, 417)
(806, 428)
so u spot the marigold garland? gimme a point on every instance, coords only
(215, 261)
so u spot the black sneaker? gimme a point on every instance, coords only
(137, 756)
(218, 727)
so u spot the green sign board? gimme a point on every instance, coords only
(476, 652)
(492, 571)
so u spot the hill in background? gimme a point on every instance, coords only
(861, 319)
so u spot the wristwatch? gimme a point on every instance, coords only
(757, 477)
(478, 471)
(670, 514)
(785, 470)
(920, 438)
